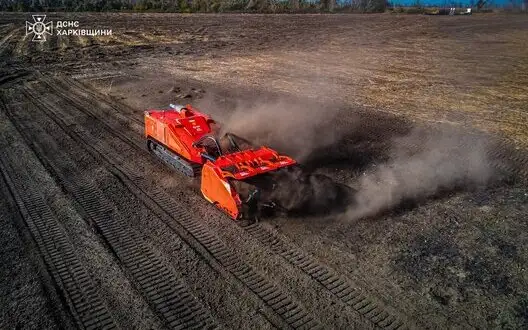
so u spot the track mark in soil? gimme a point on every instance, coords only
(290, 311)
(4, 43)
(135, 143)
(58, 252)
(366, 306)
(338, 285)
(166, 294)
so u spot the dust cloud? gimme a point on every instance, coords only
(295, 129)
(445, 161)
(291, 127)
(437, 161)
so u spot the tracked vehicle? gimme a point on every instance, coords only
(233, 172)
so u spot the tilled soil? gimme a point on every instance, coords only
(423, 117)
(25, 302)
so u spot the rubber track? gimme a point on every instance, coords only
(287, 309)
(337, 285)
(58, 252)
(166, 294)
(173, 160)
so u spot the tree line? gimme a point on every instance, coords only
(188, 6)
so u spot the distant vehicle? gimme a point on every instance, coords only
(449, 11)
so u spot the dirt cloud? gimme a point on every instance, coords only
(292, 127)
(305, 193)
(445, 160)
(420, 164)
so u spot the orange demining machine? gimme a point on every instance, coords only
(232, 171)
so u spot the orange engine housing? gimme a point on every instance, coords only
(179, 130)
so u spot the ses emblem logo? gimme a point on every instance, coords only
(38, 28)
